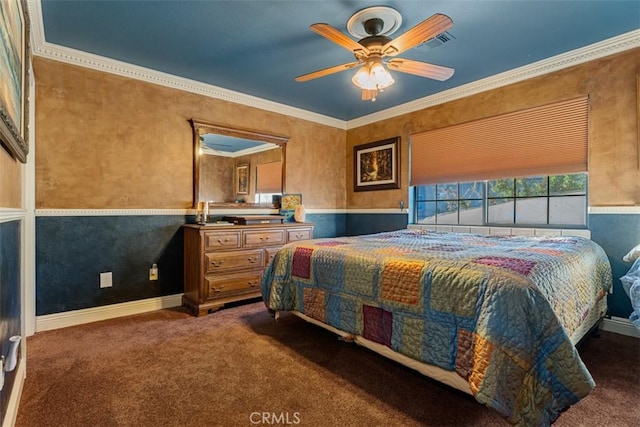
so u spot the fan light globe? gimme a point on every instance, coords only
(381, 76)
(373, 76)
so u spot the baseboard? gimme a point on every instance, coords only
(620, 325)
(11, 414)
(78, 317)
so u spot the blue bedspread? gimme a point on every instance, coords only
(497, 310)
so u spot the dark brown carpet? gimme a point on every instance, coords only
(168, 368)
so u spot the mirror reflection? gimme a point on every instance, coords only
(236, 167)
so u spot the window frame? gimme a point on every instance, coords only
(414, 200)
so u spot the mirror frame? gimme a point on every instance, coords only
(201, 127)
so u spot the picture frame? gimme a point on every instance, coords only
(638, 116)
(242, 179)
(288, 205)
(14, 62)
(376, 165)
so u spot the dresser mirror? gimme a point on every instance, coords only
(236, 168)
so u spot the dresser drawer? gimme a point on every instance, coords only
(299, 234)
(223, 285)
(221, 239)
(263, 238)
(233, 260)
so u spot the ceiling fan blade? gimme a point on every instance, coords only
(422, 69)
(331, 33)
(326, 71)
(422, 32)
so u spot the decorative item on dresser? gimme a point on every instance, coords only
(225, 263)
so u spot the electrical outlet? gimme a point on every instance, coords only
(106, 279)
(153, 272)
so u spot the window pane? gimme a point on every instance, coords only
(426, 192)
(530, 187)
(471, 190)
(556, 199)
(531, 211)
(501, 211)
(471, 212)
(447, 191)
(568, 210)
(426, 212)
(562, 185)
(447, 212)
(500, 188)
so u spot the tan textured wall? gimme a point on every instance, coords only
(10, 181)
(614, 175)
(109, 142)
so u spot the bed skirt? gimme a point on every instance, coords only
(449, 378)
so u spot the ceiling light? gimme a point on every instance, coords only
(372, 78)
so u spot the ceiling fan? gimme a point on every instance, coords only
(372, 51)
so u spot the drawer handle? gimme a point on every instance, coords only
(218, 289)
(299, 236)
(262, 239)
(217, 263)
(253, 259)
(222, 242)
(253, 283)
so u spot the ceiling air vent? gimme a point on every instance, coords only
(436, 41)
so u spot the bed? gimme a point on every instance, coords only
(495, 316)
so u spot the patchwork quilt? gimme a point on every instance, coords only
(497, 310)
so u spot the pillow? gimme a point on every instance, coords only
(633, 254)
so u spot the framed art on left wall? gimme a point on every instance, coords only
(14, 85)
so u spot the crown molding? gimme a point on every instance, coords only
(76, 57)
(107, 65)
(598, 50)
(44, 49)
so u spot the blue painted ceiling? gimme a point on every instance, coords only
(258, 47)
(228, 144)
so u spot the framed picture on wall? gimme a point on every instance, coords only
(638, 115)
(242, 179)
(14, 62)
(376, 165)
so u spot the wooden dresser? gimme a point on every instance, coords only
(224, 263)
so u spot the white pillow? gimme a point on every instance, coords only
(633, 254)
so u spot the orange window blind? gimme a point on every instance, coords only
(269, 177)
(545, 140)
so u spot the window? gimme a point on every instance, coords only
(265, 198)
(539, 200)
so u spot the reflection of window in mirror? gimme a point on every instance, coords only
(268, 181)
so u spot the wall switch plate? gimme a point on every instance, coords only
(106, 279)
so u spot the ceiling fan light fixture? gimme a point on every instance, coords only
(372, 77)
(372, 50)
(381, 76)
